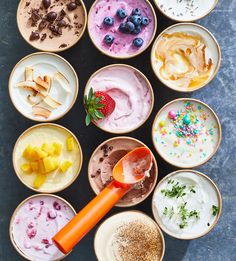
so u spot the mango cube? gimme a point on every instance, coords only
(48, 148)
(70, 143)
(39, 180)
(65, 165)
(38, 154)
(41, 167)
(57, 148)
(26, 167)
(50, 164)
(34, 165)
(28, 152)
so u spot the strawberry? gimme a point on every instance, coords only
(98, 105)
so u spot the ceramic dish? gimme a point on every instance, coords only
(185, 57)
(129, 88)
(34, 222)
(122, 46)
(26, 94)
(41, 151)
(54, 27)
(102, 161)
(185, 11)
(129, 235)
(186, 133)
(186, 204)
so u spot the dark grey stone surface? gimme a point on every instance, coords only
(220, 94)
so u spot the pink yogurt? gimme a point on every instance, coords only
(36, 222)
(122, 45)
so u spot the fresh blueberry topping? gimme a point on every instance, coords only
(136, 11)
(137, 29)
(136, 19)
(145, 20)
(123, 28)
(138, 42)
(121, 13)
(108, 21)
(130, 26)
(109, 39)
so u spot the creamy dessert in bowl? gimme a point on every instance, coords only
(122, 29)
(33, 224)
(186, 133)
(129, 235)
(185, 57)
(51, 25)
(113, 96)
(43, 86)
(186, 204)
(186, 10)
(101, 164)
(47, 158)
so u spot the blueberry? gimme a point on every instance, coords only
(138, 42)
(108, 21)
(145, 20)
(130, 26)
(137, 29)
(123, 28)
(109, 39)
(136, 11)
(136, 19)
(121, 13)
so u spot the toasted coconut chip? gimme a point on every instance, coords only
(51, 102)
(33, 100)
(26, 84)
(29, 74)
(41, 91)
(42, 83)
(41, 111)
(48, 80)
(63, 81)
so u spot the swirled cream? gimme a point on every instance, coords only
(192, 211)
(36, 222)
(131, 92)
(186, 133)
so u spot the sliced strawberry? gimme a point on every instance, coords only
(98, 105)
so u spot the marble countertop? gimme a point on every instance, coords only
(220, 94)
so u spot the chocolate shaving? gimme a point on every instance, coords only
(44, 36)
(63, 45)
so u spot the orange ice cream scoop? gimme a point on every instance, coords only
(128, 171)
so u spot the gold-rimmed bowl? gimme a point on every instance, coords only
(212, 51)
(210, 188)
(46, 63)
(36, 136)
(20, 252)
(168, 148)
(110, 84)
(170, 12)
(117, 147)
(108, 228)
(46, 45)
(98, 43)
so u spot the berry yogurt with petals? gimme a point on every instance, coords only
(121, 29)
(35, 222)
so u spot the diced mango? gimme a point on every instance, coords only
(39, 180)
(26, 167)
(50, 164)
(28, 152)
(70, 143)
(34, 165)
(38, 154)
(58, 148)
(55, 162)
(48, 148)
(65, 165)
(41, 167)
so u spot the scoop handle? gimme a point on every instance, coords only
(89, 216)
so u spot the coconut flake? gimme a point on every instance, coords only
(41, 111)
(63, 81)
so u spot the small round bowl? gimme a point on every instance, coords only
(20, 252)
(61, 44)
(112, 12)
(117, 153)
(179, 14)
(212, 51)
(43, 135)
(171, 147)
(210, 186)
(110, 77)
(109, 227)
(43, 64)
